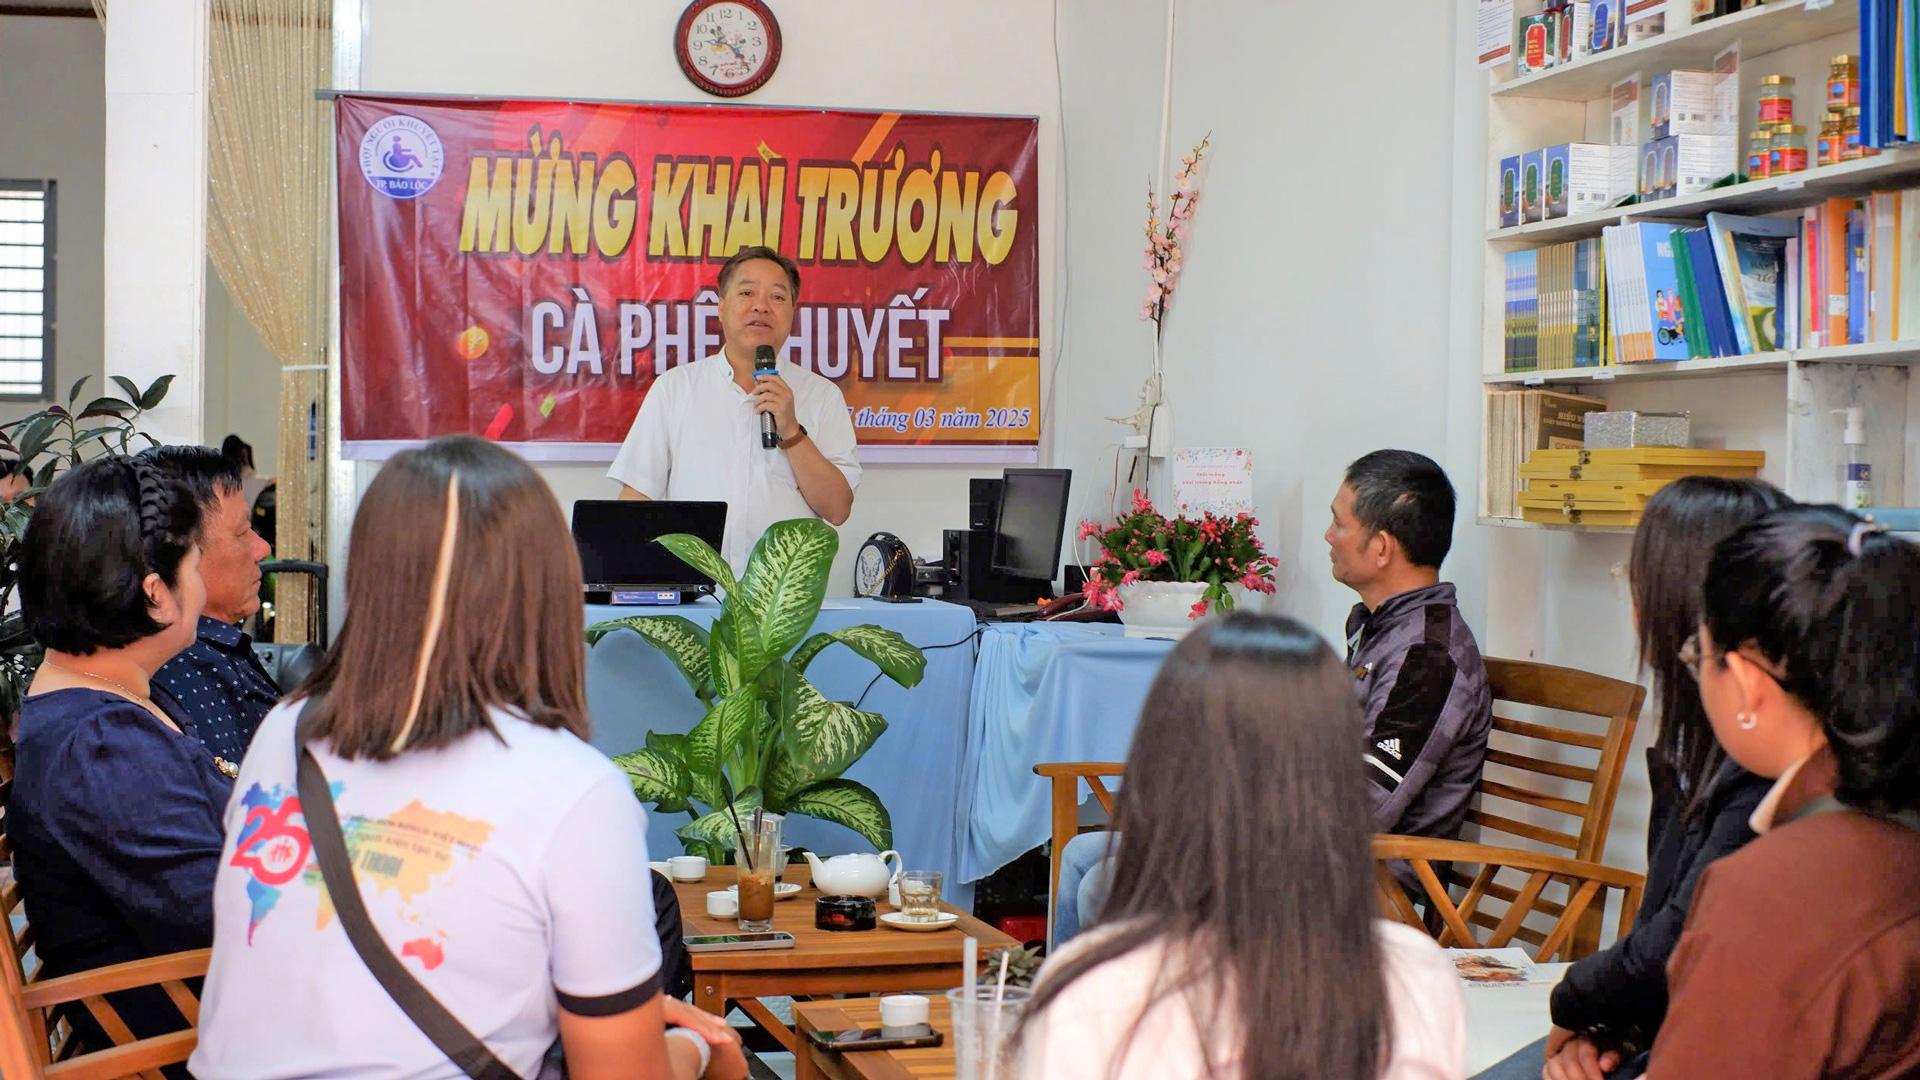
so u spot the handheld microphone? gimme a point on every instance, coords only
(763, 356)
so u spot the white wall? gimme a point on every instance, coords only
(53, 116)
(990, 56)
(1312, 321)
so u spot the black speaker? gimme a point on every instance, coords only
(983, 503)
(969, 555)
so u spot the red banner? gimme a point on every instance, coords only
(524, 270)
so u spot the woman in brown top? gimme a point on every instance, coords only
(1801, 957)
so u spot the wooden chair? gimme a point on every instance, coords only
(24, 1047)
(1588, 882)
(1522, 745)
(1066, 778)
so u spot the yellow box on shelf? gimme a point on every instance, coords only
(1591, 494)
(1612, 519)
(1651, 455)
(1534, 470)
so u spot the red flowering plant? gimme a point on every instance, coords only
(1146, 545)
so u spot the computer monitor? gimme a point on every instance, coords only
(616, 537)
(1032, 523)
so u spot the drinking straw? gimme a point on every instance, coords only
(739, 833)
(1000, 990)
(970, 954)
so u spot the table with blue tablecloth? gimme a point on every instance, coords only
(1042, 692)
(914, 767)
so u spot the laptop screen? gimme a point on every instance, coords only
(616, 541)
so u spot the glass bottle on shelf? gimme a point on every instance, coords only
(1855, 149)
(1833, 139)
(1759, 155)
(1776, 100)
(1843, 81)
(1788, 153)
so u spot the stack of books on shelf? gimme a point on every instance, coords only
(1522, 424)
(1611, 487)
(1844, 272)
(1556, 308)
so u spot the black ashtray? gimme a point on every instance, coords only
(844, 913)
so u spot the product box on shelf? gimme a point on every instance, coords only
(1533, 183)
(1682, 103)
(1653, 182)
(1509, 191)
(1604, 25)
(1539, 43)
(1577, 178)
(1693, 163)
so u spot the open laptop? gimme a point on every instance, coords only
(619, 560)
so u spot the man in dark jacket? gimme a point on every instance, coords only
(1416, 668)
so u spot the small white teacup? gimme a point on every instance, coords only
(723, 904)
(903, 1010)
(687, 867)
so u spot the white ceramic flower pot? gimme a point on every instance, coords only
(1160, 609)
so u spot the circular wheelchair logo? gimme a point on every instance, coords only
(401, 157)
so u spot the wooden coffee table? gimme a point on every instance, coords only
(931, 1063)
(822, 962)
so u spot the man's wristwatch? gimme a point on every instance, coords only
(788, 444)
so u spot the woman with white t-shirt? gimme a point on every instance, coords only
(1239, 937)
(497, 856)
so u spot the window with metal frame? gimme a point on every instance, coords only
(26, 289)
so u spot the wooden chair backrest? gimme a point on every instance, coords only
(1587, 883)
(1066, 778)
(1583, 834)
(25, 1049)
(16, 937)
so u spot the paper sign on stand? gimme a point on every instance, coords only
(1212, 479)
(1493, 37)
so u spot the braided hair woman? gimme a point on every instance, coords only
(115, 814)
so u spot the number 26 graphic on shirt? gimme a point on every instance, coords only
(274, 851)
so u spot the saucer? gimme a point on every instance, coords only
(900, 921)
(782, 890)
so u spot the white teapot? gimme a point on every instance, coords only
(854, 875)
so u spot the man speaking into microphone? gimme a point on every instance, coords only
(773, 443)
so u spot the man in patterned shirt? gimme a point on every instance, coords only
(216, 686)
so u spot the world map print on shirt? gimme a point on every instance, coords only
(405, 854)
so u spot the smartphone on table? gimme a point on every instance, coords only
(906, 1037)
(772, 939)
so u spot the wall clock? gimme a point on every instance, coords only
(728, 48)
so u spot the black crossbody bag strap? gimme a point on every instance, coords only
(421, 1007)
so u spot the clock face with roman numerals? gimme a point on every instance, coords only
(728, 48)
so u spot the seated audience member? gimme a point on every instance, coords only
(115, 812)
(498, 856)
(216, 685)
(1239, 939)
(1417, 672)
(1608, 1005)
(1801, 957)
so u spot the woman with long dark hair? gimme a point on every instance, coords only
(1239, 938)
(498, 858)
(1802, 955)
(1608, 1005)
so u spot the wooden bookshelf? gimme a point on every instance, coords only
(1849, 179)
(1570, 103)
(1883, 353)
(1774, 26)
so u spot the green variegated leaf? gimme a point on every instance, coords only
(696, 553)
(657, 778)
(846, 802)
(717, 828)
(668, 744)
(787, 579)
(712, 742)
(820, 740)
(893, 654)
(723, 654)
(684, 641)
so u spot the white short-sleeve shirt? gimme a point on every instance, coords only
(697, 437)
(509, 874)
